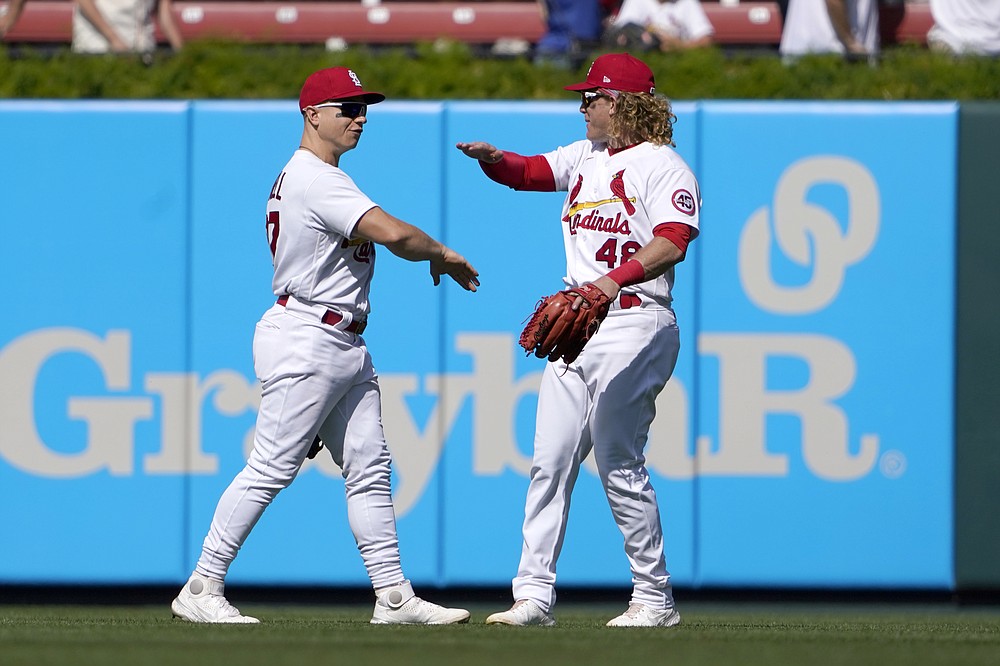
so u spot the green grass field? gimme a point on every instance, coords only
(712, 634)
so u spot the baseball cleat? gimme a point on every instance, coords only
(202, 600)
(640, 615)
(523, 613)
(398, 605)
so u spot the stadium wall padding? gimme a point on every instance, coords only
(807, 438)
(977, 540)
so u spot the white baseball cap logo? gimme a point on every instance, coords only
(354, 77)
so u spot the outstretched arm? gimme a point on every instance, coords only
(410, 243)
(511, 169)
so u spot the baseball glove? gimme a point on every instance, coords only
(556, 330)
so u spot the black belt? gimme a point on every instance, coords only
(332, 318)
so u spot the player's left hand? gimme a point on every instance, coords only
(455, 266)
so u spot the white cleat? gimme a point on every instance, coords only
(398, 605)
(524, 613)
(640, 615)
(202, 600)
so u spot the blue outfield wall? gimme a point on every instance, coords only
(806, 439)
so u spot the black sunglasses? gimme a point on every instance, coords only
(588, 97)
(347, 109)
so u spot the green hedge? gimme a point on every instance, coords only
(214, 70)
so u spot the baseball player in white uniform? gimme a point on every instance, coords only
(314, 367)
(633, 206)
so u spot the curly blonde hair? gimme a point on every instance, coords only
(641, 117)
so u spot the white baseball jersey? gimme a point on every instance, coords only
(312, 213)
(808, 28)
(132, 20)
(614, 204)
(684, 19)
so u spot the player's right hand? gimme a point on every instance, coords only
(481, 150)
(455, 266)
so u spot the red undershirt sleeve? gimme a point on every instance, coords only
(531, 174)
(678, 233)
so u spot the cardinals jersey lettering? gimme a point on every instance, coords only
(615, 202)
(312, 213)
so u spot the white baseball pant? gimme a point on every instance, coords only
(315, 378)
(604, 402)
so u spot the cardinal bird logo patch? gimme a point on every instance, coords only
(576, 188)
(618, 189)
(572, 197)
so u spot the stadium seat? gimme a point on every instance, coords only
(407, 21)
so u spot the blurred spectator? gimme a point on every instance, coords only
(965, 27)
(849, 27)
(10, 16)
(667, 25)
(572, 28)
(118, 26)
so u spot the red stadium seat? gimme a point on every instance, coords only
(403, 21)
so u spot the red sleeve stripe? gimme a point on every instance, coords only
(521, 173)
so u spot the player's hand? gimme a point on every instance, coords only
(455, 266)
(482, 151)
(605, 284)
(854, 47)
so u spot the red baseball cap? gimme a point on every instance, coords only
(332, 84)
(618, 71)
